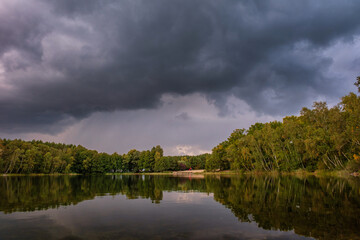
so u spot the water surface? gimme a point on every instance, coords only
(165, 207)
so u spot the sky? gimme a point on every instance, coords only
(122, 74)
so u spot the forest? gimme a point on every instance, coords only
(22, 157)
(320, 138)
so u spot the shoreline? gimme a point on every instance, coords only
(323, 173)
(318, 173)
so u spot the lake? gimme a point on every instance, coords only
(167, 207)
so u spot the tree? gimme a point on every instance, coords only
(357, 83)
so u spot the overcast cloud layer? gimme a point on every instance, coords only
(62, 61)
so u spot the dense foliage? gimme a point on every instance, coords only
(319, 138)
(17, 156)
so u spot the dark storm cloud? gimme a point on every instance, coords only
(63, 60)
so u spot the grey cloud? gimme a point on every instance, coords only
(65, 60)
(72, 8)
(21, 31)
(183, 116)
(142, 129)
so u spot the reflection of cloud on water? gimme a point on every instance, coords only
(188, 197)
(191, 215)
(33, 225)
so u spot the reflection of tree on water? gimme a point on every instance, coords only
(324, 208)
(35, 193)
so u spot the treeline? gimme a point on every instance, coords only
(320, 138)
(17, 156)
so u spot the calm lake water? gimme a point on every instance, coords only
(165, 207)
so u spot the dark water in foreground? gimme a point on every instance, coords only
(164, 207)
